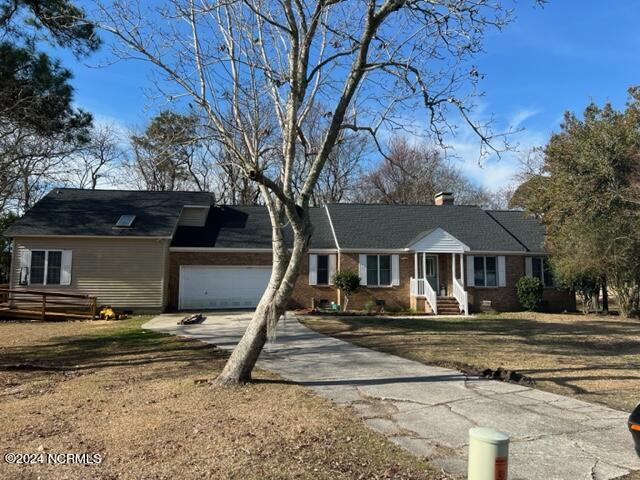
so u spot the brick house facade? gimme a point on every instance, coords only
(180, 250)
(396, 297)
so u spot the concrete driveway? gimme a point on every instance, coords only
(429, 410)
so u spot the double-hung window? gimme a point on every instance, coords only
(323, 270)
(485, 271)
(541, 269)
(379, 270)
(46, 267)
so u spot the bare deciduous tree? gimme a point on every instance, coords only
(245, 63)
(97, 160)
(30, 164)
(342, 169)
(414, 173)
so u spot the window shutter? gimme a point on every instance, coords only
(471, 278)
(502, 271)
(313, 269)
(65, 268)
(395, 269)
(25, 267)
(332, 268)
(528, 267)
(362, 269)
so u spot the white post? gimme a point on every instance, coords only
(488, 454)
(415, 265)
(462, 269)
(453, 267)
(424, 266)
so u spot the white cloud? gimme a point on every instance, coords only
(521, 116)
(495, 172)
(121, 130)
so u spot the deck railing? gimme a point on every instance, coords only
(421, 288)
(42, 304)
(461, 296)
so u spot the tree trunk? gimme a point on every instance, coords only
(244, 357)
(605, 297)
(271, 307)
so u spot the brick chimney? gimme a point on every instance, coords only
(444, 198)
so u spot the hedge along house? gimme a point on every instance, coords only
(180, 251)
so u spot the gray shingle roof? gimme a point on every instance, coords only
(65, 211)
(247, 227)
(360, 226)
(525, 228)
(357, 226)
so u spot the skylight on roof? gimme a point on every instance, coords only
(126, 221)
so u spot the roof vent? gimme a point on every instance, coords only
(125, 221)
(443, 198)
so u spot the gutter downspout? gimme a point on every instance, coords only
(335, 239)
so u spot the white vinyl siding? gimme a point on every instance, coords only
(193, 216)
(119, 272)
(438, 241)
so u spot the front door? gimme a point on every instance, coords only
(431, 271)
(428, 269)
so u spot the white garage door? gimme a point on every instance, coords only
(204, 287)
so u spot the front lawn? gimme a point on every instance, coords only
(127, 394)
(596, 359)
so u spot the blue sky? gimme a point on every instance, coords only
(547, 61)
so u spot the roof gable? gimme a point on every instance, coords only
(381, 226)
(437, 240)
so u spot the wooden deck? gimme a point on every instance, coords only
(45, 305)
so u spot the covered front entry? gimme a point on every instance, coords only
(438, 281)
(428, 269)
(220, 287)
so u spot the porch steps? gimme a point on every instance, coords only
(448, 306)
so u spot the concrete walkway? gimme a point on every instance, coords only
(429, 410)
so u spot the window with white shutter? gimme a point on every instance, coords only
(49, 267)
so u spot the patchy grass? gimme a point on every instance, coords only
(127, 394)
(596, 359)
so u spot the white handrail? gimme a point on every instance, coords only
(461, 296)
(421, 288)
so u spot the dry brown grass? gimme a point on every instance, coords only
(596, 359)
(129, 395)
